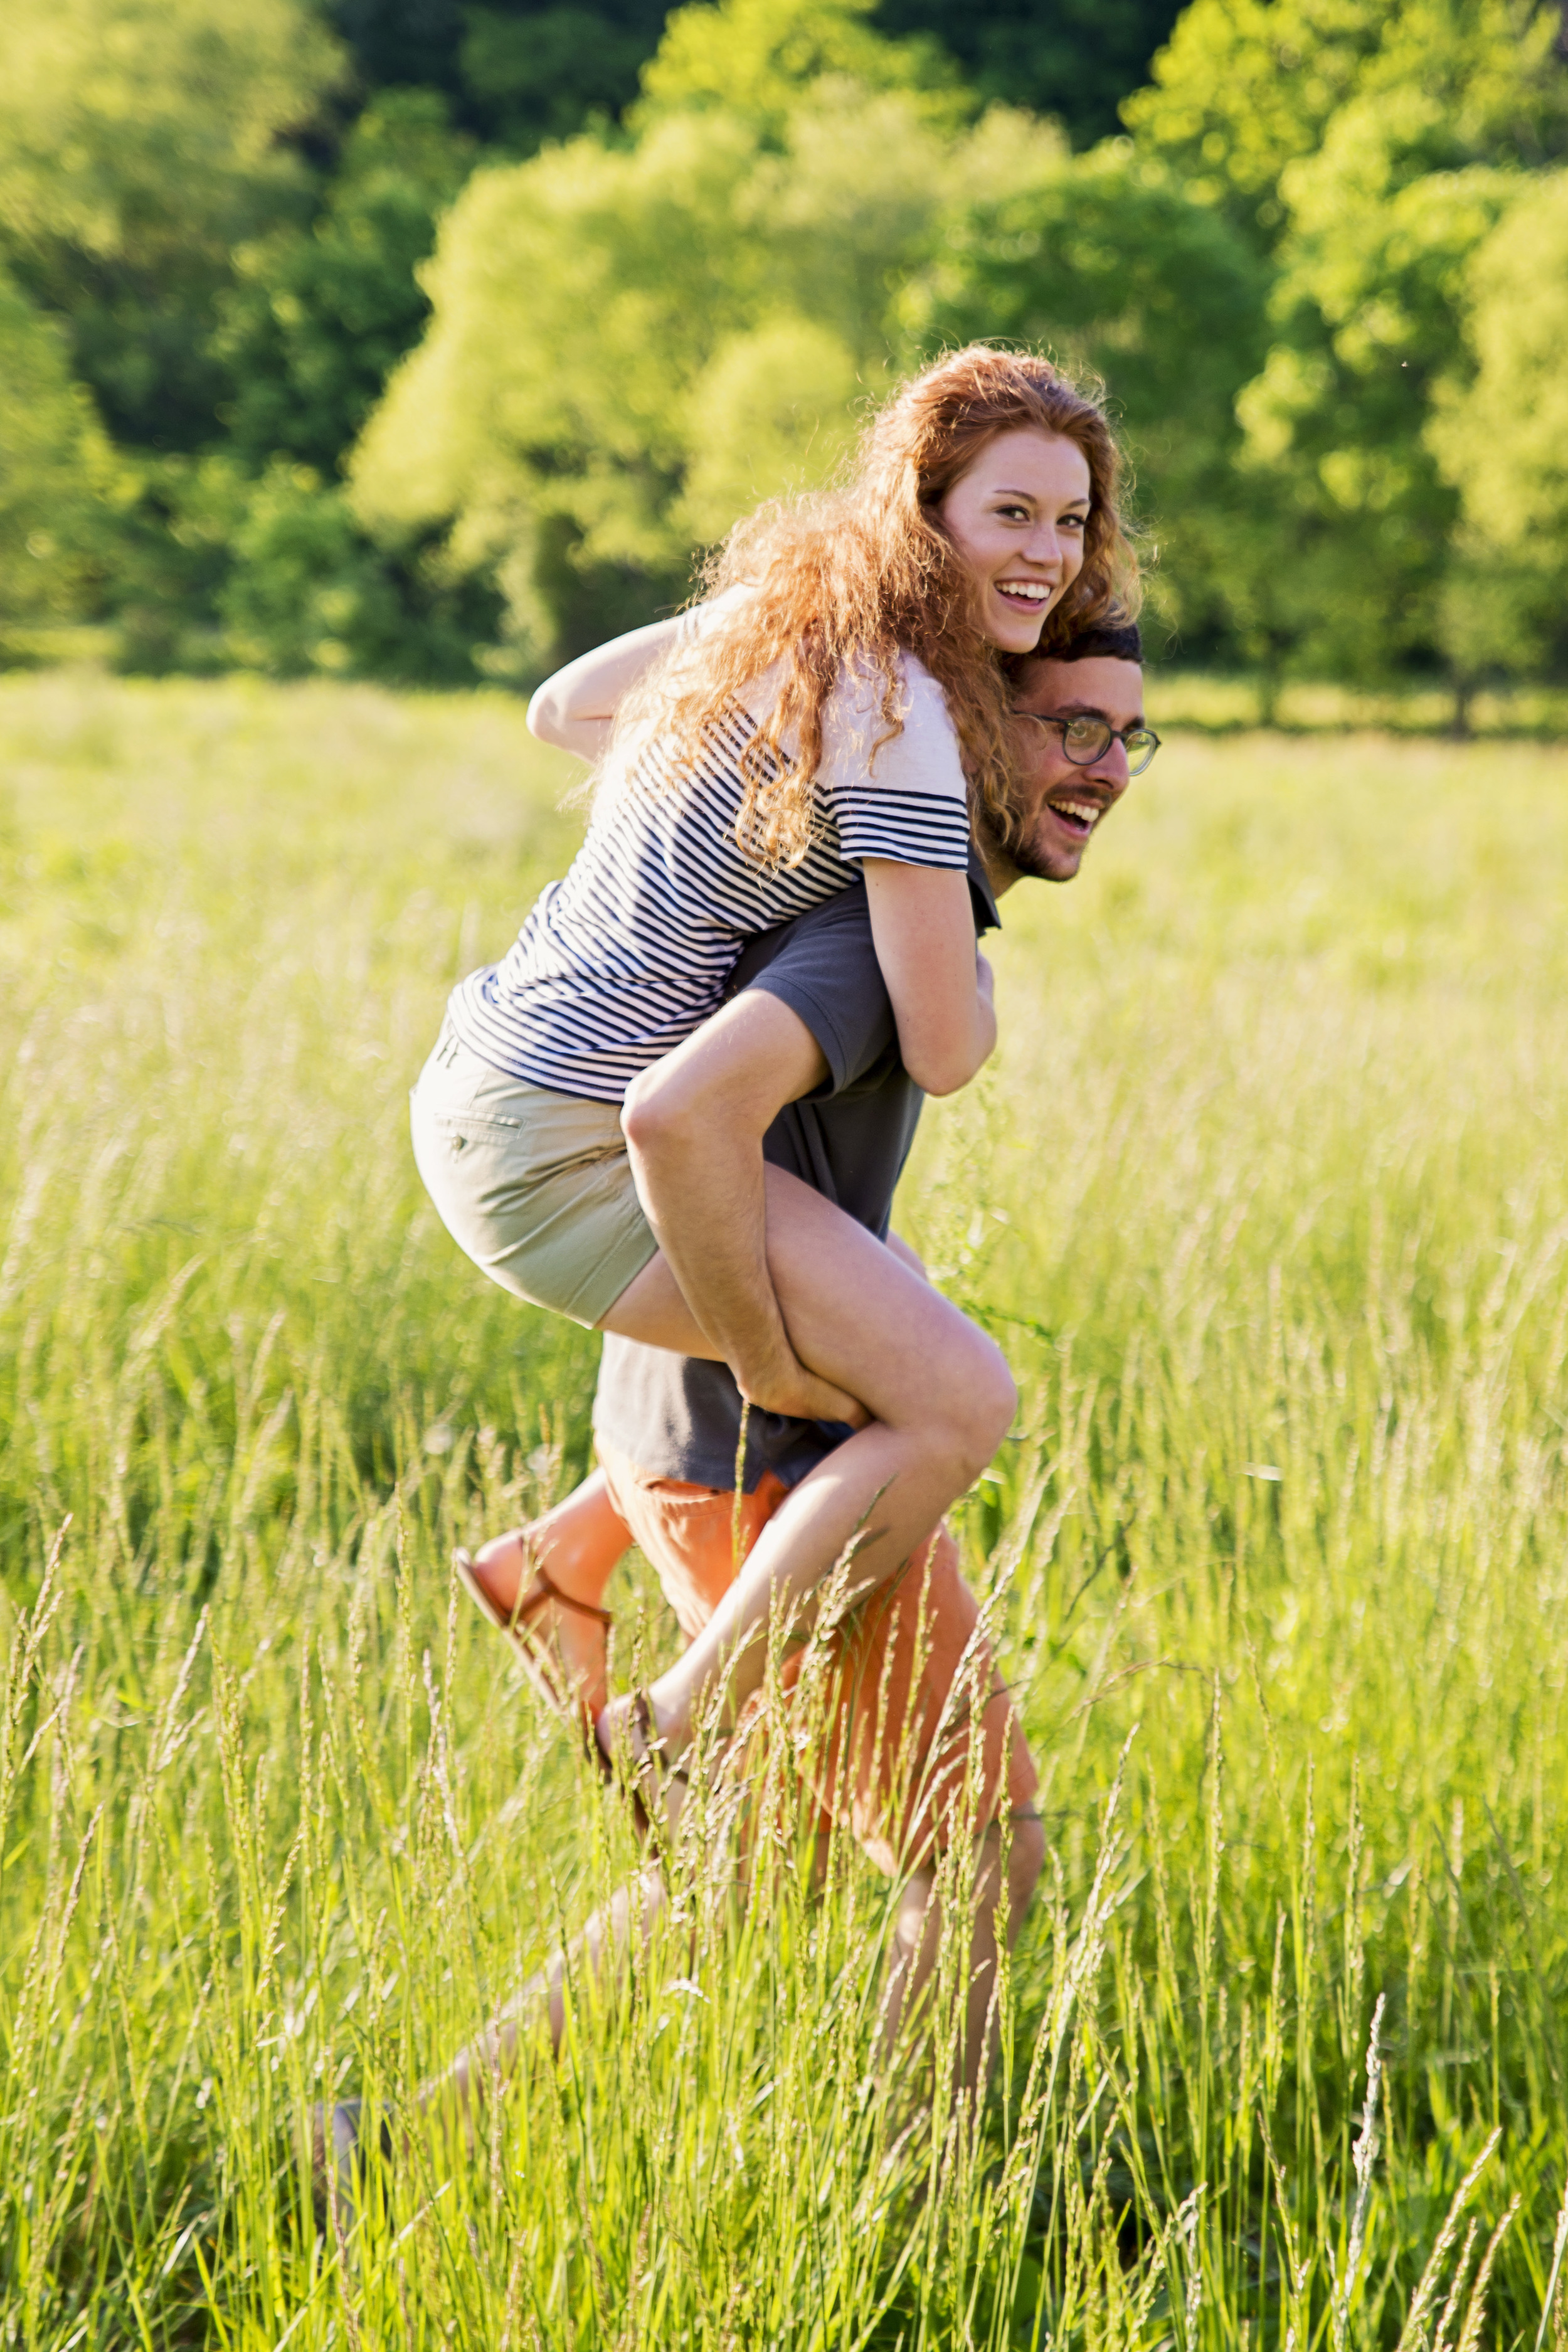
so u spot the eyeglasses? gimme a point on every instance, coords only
(1085, 740)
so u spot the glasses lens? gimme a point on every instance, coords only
(1142, 745)
(1085, 740)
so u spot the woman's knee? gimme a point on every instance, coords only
(979, 1398)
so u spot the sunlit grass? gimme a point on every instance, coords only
(1266, 1195)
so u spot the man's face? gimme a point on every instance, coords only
(1061, 804)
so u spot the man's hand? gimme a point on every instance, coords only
(694, 1125)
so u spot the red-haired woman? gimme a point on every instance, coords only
(837, 707)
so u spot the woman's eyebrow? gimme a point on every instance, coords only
(1076, 498)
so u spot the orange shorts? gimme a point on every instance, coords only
(905, 1705)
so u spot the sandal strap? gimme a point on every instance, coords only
(527, 1601)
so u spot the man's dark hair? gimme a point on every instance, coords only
(1110, 640)
(1115, 638)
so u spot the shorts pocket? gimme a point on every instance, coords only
(473, 1126)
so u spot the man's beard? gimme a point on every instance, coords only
(1035, 863)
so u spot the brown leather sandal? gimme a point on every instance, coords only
(538, 1660)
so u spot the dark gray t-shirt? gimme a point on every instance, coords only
(677, 1416)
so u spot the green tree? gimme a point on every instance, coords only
(532, 73)
(58, 479)
(1349, 568)
(754, 59)
(1105, 260)
(1370, 150)
(1073, 59)
(306, 590)
(1246, 87)
(1500, 438)
(522, 71)
(140, 141)
(631, 343)
(319, 316)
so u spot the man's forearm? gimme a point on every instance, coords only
(704, 1191)
(694, 1126)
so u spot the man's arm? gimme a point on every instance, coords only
(694, 1125)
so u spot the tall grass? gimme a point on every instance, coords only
(1266, 1197)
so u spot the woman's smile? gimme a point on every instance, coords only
(1018, 516)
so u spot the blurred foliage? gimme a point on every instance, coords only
(1107, 261)
(520, 71)
(58, 473)
(755, 57)
(1247, 86)
(631, 344)
(1075, 59)
(320, 315)
(140, 140)
(403, 316)
(1500, 440)
(1373, 151)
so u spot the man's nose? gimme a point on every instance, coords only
(1110, 769)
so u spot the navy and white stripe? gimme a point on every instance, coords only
(627, 956)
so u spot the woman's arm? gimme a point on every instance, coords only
(576, 708)
(923, 928)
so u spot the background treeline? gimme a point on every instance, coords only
(430, 339)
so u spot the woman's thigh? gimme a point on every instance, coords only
(855, 1313)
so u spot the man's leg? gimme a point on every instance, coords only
(629, 1916)
(694, 1537)
(897, 1765)
(915, 1765)
(1001, 1900)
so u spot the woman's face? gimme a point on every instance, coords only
(1018, 518)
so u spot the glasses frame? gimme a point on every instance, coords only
(1112, 735)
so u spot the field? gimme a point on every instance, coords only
(1266, 1196)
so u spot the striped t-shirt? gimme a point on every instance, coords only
(627, 956)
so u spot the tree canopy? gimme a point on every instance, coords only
(341, 328)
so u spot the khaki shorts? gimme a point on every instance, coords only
(909, 1753)
(535, 1186)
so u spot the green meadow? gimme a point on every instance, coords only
(1266, 1196)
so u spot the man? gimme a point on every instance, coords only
(809, 1074)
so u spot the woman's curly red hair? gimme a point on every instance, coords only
(856, 575)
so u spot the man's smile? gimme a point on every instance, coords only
(1081, 816)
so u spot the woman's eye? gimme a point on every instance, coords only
(1073, 521)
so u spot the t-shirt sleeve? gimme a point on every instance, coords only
(825, 971)
(905, 799)
(697, 619)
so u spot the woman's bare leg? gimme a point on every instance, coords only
(578, 1543)
(939, 1392)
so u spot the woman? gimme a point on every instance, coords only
(839, 702)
